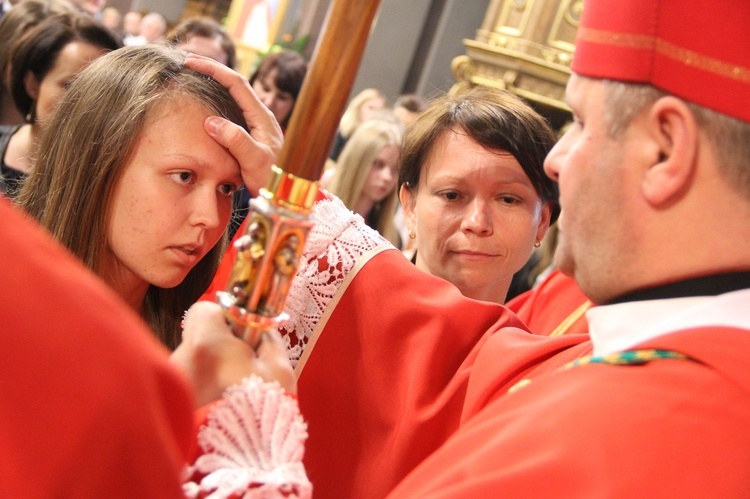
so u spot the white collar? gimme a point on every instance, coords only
(614, 328)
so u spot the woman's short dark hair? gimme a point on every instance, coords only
(496, 119)
(291, 69)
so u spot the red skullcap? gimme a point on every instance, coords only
(698, 50)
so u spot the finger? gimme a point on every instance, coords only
(204, 321)
(273, 361)
(255, 157)
(261, 122)
(271, 346)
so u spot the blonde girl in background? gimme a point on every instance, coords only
(362, 107)
(366, 174)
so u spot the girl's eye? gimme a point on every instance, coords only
(183, 177)
(227, 189)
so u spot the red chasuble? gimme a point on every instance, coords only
(384, 379)
(556, 306)
(668, 428)
(90, 404)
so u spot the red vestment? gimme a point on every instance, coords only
(408, 381)
(91, 406)
(668, 428)
(383, 380)
(555, 306)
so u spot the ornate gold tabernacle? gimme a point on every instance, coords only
(525, 46)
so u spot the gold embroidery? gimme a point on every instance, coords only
(563, 327)
(667, 49)
(645, 42)
(704, 62)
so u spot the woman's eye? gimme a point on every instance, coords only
(509, 199)
(450, 195)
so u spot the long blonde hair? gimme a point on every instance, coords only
(353, 167)
(86, 146)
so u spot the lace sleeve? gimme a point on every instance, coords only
(252, 446)
(336, 241)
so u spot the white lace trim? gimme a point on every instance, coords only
(252, 446)
(336, 241)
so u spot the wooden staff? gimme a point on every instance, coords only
(279, 218)
(326, 87)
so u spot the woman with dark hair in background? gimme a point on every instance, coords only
(278, 81)
(42, 64)
(22, 17)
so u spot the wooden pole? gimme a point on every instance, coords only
(326, 88)
(280, 217)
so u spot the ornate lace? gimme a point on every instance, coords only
(335, 243)
(252, 446)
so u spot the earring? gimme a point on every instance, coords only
(31, 115)
(537, 244)
(412, 234)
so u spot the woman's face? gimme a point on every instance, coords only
(71, 60)
(279, 102)
(381, 180)
(370, 107)
(476, 216)
(173, 201)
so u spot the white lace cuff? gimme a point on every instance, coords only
(335, 244)
(252, 446)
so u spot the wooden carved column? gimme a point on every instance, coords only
(525, 46)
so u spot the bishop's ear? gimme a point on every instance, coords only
(673, 127)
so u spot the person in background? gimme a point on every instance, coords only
(131, 23)
(278, 81)
(408, 106)
(366, 174)
(151, 30)
(6, 6)
(42, 64)
(206, 37)
(90, 7)
(361, 108)
(112, 18)
(24, 16)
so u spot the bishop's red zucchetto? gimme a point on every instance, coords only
(698, 50)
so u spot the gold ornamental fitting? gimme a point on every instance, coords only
(291, 192)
